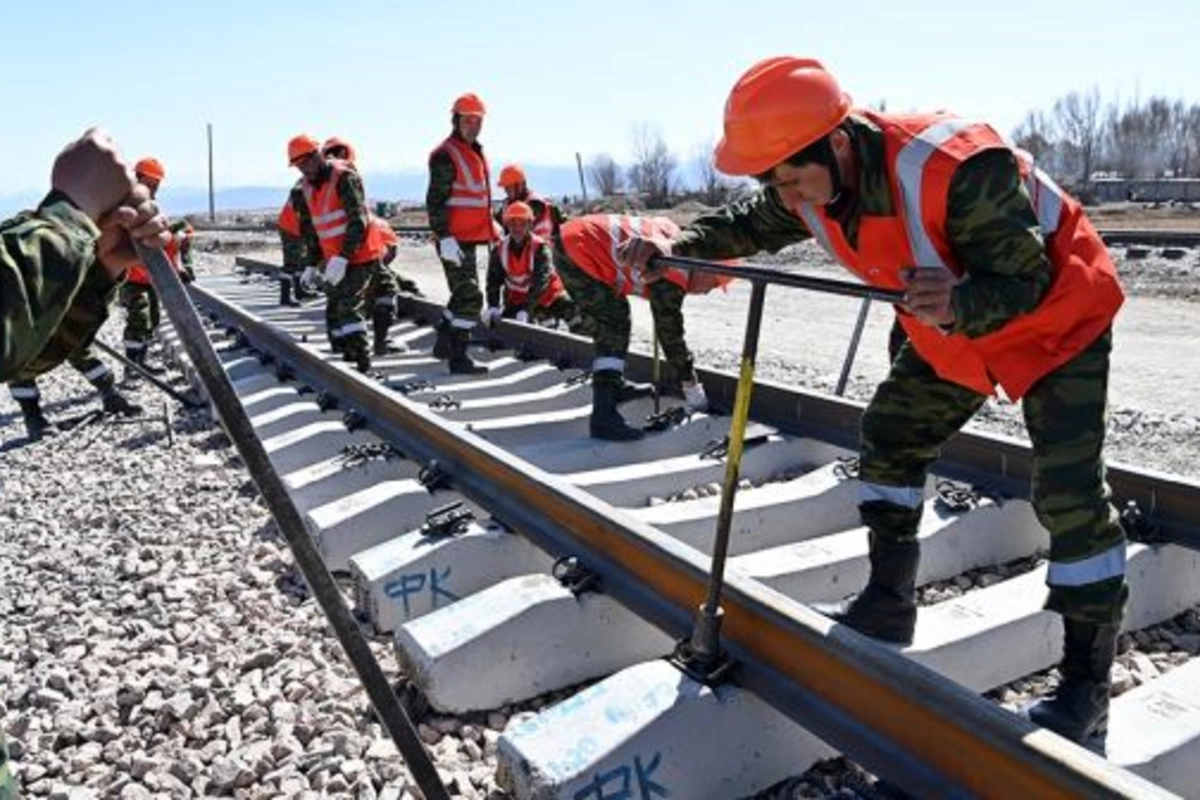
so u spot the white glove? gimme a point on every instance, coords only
(449, 250)
(308, 278)
(694, 397)
(522, 316)
(489, 316)
(335, 270)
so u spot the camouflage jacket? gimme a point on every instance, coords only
(296, 255)
(441, 179)
(538, 204)
(47, 260)
(183, 229)
(540, 280)
(990, 223)
(354, 203)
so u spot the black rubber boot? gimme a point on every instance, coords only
(116, 403)
(887, 608)
(607, 423)
(36, 424)
(151, 368)
(1078, 710)
(460, 362)
(441, 345)
(381, 322)
(285, 292)
(628, 390)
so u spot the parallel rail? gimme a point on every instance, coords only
(889, 713)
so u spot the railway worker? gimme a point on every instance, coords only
(1007, 284)
(330, 202)
(584, 257)
(61, 263)
(547, 216)
(459, 203)
(142, 313)
(523, 267)
(299, 265)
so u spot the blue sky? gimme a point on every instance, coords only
(557, 77)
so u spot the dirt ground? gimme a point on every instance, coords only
(1155, 381)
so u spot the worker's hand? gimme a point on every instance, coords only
(92, 173)
(335, 270)
(928, 294)
(490, 316)
(704, 282)
(135, 218)
(637, 252)
(522, 316)
(308, 278)
(389, 254)
(448, 250)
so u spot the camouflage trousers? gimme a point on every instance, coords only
(384, 287)
(85, 362)
(466, 300)
(346, 310)
(914, 412)
(607, 318)
(142, 315)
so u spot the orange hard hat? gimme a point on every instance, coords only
(301, 146)
(468, 103)
(777, 108)
(333, 142)
(511, 175)
(150, 168)
(517, 210)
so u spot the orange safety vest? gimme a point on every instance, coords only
(518, 274)
(289, 220)
(387, 236)
(543, 226)
(329, 218)
(923, 151)
(138, 274)
(469, 206)
(591, 242)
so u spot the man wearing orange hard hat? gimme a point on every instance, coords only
(523, 267)
(330, 202)
(1007, 284)
(547, 217)
(459, 203)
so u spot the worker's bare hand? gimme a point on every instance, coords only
(136, 218)
(92, 173)
(928, 294)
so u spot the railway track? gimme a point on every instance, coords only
(510, 556)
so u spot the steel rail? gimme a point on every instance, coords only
(897, 718)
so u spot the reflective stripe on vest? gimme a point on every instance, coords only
(544, 225)
(517, 275)
(629, 279)
(329, 219)
(469, 204)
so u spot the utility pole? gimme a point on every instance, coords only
(212, 206)
(582, 185)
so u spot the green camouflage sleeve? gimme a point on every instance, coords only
(45, 256)
(495, 279)
(742, 228)
(308, 233)
(293, 252)
(993, 232)
(542, 270)
(441, 183)
(354, 203)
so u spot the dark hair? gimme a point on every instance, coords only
(819, 152)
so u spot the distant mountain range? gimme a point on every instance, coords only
(406, 186)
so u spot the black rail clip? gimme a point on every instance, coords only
(717, 449)
(1139, 527)
(579, 378)
(415, 385)
(432, 477)
(264, 357)
(326, 401)
(574, 576)
(353, 420)
(846, 468)
(711, 671)
(444, 402)
(525, 352)
(304, 388)
(449, 520)
(664, 420)
(284, 371)
(564, 361)
(354, 455)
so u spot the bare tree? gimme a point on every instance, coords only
(604, 175)
(653, 170)
(715, 188)
(1079, 126)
